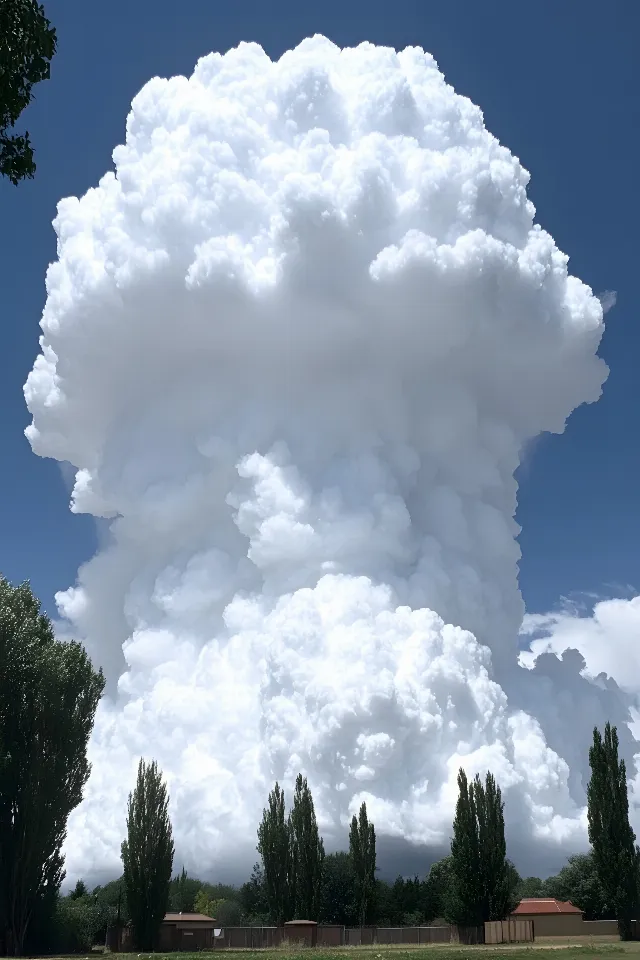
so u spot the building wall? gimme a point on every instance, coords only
(555, 924)
(305, 933)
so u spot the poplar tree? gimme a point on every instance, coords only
(612, 839)
(481, 876)
(147, 855)
(274, 847)
(362, 850)
(307, 854)
(49, 692)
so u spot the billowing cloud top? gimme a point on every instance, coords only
(294, 347)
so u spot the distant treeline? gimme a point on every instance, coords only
(81, 918)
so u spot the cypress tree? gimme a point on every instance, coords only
(464, 905)
(362, 850)
(307, 854)
(497, 872)
(481, 876)
(610, 833)
(147, 855)
(274, 847)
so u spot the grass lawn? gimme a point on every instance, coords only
(569, 950)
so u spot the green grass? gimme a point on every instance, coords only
(568, 951)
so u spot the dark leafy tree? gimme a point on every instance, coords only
(383, 911)
(79, 891)
(482, 880)
(362, 850)
(437, 888)
(147, 855)
(113, 895)
(49, 693)
(530, 887)
(183, 891)
(610, 834)
(338, 903)
(274, 847)
(27, 45)
(81, 924)
(253, 897)
(307, 854)
(220, 891)
(578, 882)
(228, 913)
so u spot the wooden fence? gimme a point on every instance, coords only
(508, 931)
(335, 935)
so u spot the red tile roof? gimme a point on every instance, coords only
(541, 905)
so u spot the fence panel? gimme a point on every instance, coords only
(360, 936)
(330, 935)
(468, 935)
(508, 931)
(435, 934)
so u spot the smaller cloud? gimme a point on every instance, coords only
(606, 637)
(608, 299)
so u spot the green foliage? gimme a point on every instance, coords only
(437, 890)
(337, 902)
(27, 45)
(362, 850)
(530, 887)
(274, 846)
(113, 897)
(482, 880)
(578, 882)
(253, 897)
(80, 923)
(49, 693)
(183, 891)
(147, 855)
(610, 834)
(79, 891)
(292, 855)
(228, 913)
(307, 854)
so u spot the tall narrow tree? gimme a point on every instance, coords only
(274, 847)
(147, 855)
(362, 850)
(610, 834)
(465, 890)
(482, 884)
(499, 878)
(49, 692)
(307, 854)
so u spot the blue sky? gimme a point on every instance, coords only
(558, 83)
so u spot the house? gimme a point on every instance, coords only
(551, 918)
(187, 931)
(178, 931)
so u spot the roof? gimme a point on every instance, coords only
(188, 917)
(300, 923)
(541, 905)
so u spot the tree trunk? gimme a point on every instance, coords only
(624, 928)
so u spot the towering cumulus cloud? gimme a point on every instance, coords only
(294, 347)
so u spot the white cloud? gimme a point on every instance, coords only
(607, 638)
(294, 347)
